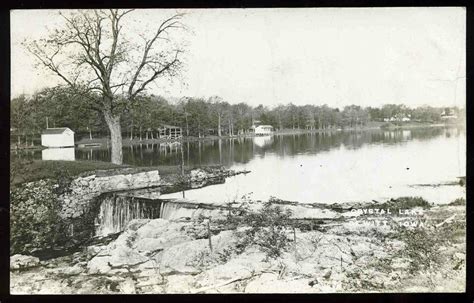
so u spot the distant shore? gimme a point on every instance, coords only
(126, 141)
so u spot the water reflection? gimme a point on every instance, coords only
(359, 166)
(263, 141)
(58, 154)
(242, 150)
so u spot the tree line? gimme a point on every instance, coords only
(106, 72)
(198, 117)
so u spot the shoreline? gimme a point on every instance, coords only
(316, 248)
(126, 142)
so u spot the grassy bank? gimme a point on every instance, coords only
(22, 171)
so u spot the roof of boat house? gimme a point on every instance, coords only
(169, 126)
(55, 131)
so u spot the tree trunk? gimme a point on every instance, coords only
(113, 122)
(219, 125)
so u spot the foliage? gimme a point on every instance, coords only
(198, 116)
(267, 228)
(35, 188)
(34, 217)
(405, 202)
(92, 54)
(458, 201)
(422, 245)
(22, 171)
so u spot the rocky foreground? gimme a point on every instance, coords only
(341, 248)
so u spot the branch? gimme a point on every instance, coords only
(155, 75)
(172, 22)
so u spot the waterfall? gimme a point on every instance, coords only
(170, 210)
(116, 211)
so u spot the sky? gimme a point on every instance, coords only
(334, 56)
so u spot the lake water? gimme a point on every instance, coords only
(318, 167)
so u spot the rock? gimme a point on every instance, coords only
(74, 270)
(327, 274)
(94, 250)
(179, 284)
(137, 248)
(135, 224)
(400, 263)
(152, 284)
(459, 256)
(269, 283)
(124, 256)
(23, 261)
(127, 286)
(83, 190)
(99, 265)
(193, 256)
(240, 267)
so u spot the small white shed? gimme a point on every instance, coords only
(57, 137)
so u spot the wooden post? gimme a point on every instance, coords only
(209, 233)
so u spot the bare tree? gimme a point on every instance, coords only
(93, 55)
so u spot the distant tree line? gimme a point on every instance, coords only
(198, 117)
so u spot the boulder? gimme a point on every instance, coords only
(269, 283)
(74, 270)
(241, 267)
(194, 256)
(127, 286)
(83, 190)
(179, 284)
(23, 262)
(138, 247)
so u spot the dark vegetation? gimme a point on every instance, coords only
(268, 228)
(197, 116)
(34, 215)
(22, 171)
(458, 202)
(422, 245)
(405, 203)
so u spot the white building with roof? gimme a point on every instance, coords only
(263, 130)
(57, 137)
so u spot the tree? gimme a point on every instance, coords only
(94, 56)
(219, 107)
(20, 112)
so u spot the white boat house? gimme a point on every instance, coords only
(263, 130)
(57, 137)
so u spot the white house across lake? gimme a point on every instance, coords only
(57, 137)
(263, 130)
